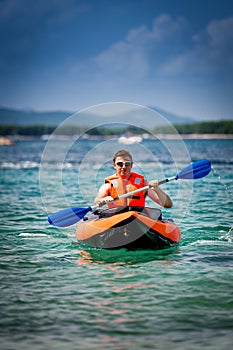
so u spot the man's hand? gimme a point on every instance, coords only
(154, 184)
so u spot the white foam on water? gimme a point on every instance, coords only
(28, 234)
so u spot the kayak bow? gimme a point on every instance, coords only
(131, 228)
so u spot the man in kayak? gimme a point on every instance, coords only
(124, 180)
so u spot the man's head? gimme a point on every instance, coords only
(122, 153)
(123, 162)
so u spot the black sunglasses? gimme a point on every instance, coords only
(120, 164)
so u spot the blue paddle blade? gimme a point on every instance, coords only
(68, 217)
(195, 170)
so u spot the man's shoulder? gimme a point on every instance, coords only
(111, 177)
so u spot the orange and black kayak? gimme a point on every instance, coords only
(128, 227)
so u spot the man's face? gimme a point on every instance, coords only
(123, 166)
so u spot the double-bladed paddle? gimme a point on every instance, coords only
(71, 216)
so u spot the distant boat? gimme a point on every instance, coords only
(6, 141)
(130, 139)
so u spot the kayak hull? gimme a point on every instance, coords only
(128, 228)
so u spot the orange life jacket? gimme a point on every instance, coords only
(121, 186)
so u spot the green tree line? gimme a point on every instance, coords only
(39, 130)
(218, 127)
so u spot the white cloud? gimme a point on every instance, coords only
(169, 49)
(123, 57)
(142, 49)
(221, 33)
(220, 43)
(211, 51)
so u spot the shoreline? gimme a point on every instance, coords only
(195, 136)
(12, 140)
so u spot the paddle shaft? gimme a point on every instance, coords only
(125, 195)
(129, 194)
(70, 216)
(193, 171)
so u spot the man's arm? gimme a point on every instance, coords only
(158, 195)
(103, 194)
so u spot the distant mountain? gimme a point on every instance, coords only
(30, 117)
(54, 118)
(174, 118)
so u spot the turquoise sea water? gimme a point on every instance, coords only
(56, 294)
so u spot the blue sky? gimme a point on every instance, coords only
(72, 54)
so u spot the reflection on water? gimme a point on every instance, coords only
(125, 257)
